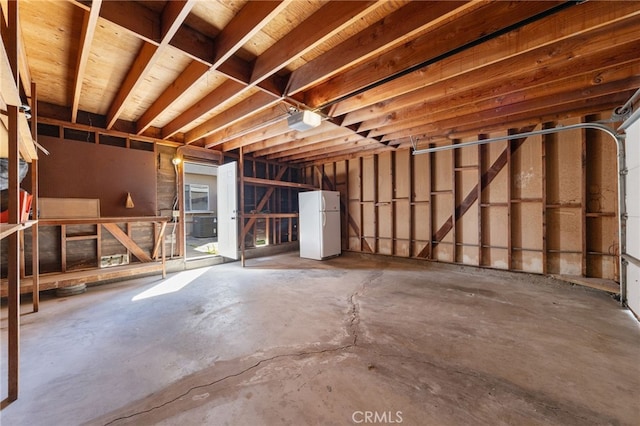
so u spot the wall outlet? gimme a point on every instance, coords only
(175, 213)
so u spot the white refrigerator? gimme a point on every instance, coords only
(319, 224)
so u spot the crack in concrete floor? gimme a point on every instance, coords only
(352, 330)
(325, 339)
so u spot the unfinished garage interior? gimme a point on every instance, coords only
(158, 158)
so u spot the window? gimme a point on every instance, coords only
(196, 197)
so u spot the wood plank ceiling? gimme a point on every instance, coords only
(226, 74)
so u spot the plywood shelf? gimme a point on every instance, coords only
(601, 214)
(11, 96)
(271, 183)
(7, 229)
(58, 280)
(269, 215)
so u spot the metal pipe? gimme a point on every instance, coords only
(629, 104)
(631, 119)
(622, 173)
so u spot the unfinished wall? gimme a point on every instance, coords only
(544, 204)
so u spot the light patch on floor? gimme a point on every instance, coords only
(172, 284)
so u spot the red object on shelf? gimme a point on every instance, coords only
(25, 206)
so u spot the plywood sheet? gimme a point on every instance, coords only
(385, 221)
(341, 172)
(165, 70)
(466, 157)
(527, 261)
(402, 178)
(564, 229)
(443, 252)
(402, 219)
(385, 178)
(526, 165)
(497, 191)
(443, 171)
(63, 208)
(496, 258)
(354, 179)
(526, 225)
(467, 226)
(467, 255)
(368, 221)
(564, 167)
(85, 170)
(61, 21)
(110, 58)
(603, 267)
(602, 172)
(402, 248)
(494, 220)
(564, 263)
(368, 179)
(602, 235)
(421, 222)
(421, 178)
(442, 210)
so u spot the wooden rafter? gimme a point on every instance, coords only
(89, 22)
(465, 29)
(515, 52)
(323, 24)
(556, 97)
(249, 21)
(172, 17)
(394, 29)
(215, 98)
(252, 104)
(326, 22)
(263, 125)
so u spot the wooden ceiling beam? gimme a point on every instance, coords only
(454, 34)
(273, 145)
(391, 31)
(171, 20)
(355, 150)
(322, 132)
(487, 119)
(329, 148)
(140, 21)
(595, 68)
(306, 149)
(267, 123)
(323, 24)
(251, 105)
(194, 71)
(476, 129)
(89, 23)
(249, 21)
(214, 99)
(344, 157)
(559, 91)
(23, 66)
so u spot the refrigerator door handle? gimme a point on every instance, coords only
(324, 219)
(324, 203)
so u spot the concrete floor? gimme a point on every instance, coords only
(352, 340)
